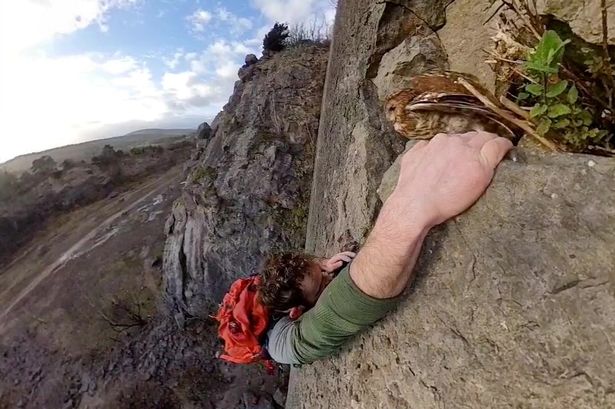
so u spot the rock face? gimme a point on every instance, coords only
(584, 17)
(514, 299)
(203, 131)
(357, 144)
(248, 188)
(251, 59)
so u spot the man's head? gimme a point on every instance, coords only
(292, 280)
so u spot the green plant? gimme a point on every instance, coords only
(275, 39)
(558, 110)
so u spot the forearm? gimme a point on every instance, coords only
(384, 266)
(342, 311)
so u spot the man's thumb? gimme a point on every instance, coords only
(494, 150)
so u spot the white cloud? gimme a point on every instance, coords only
(30, 22)
(198, 20)
(237, 25)
(228, 70)
(295, 11)
(119, 65)
(47, 102)
(173, 62)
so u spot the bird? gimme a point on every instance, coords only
(439, 102)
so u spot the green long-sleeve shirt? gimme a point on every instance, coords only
(342, 311)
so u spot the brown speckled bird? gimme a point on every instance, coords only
(439, 103)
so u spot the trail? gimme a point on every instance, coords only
(150, 189)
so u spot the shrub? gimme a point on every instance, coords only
(107, 156)
(44, 165)
(316, 31)
(8, 185)
(557, 108)
(275, 39)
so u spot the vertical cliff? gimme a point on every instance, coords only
(248, 186)
(515, 299)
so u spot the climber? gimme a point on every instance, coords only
(438, 180)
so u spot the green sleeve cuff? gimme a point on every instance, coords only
(342, 311)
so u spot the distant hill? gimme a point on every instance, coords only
(85, 150)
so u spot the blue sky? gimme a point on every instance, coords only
(74, 70)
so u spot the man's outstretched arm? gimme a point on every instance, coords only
(438, 180)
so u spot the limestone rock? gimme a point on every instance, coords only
(512, 306)
(246, 73)
(356, 143)
(415, 55)
(467, 34)
(251, 59)
(204, 131)
(247, 192)
(514, 299)
(583, 16)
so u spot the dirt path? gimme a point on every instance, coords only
(130, 201)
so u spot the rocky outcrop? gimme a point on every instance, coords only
(248, 188)
(514, 299)
(203, 131)
(584, 17)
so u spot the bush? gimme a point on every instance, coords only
(68, 164)
(317, 31)
(107, 156)
(149, 149)
(275, 39)
(8, 185)
(44, 165)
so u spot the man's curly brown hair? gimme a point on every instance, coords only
(280, 287)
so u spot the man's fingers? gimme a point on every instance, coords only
(477, 139)
(348, 253)
(493, 151)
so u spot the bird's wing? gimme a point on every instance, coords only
(461, 104)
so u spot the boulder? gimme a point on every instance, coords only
(251, 59)
(203, 131)
(246, 73)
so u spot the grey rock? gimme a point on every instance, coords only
(415, 55)
(279, 397)
(204, 131)
(247, 194)
(246, 73)
(513, 303)
(514, 299)
(467, 34)
(251, 59)
(583, 16)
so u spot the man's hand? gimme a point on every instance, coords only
(438, 180)
(442, 178)
(335, 262)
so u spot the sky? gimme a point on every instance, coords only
(74, 70)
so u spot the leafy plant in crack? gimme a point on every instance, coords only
(557, 109)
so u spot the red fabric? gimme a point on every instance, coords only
(243, 321)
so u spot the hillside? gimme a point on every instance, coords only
(85, 150)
